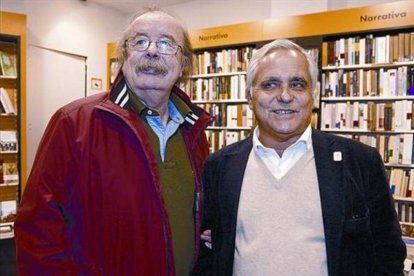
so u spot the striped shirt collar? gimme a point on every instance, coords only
(123, 96)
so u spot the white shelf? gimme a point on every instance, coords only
(399, 165)
(8, 77)
(405, 199)
(211, 75)
(8, 114)
(367, 98)
(352, 130)
(228, 128)
(227, 101)
(368, 66)
(9, 152)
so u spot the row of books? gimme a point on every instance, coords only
(395, 149)
(230, 115)
(369, 49)
(8, 66)
(405, 211)
(407, 231)
(368, 116)
(9, 175)
(401, 182)
(222, 61)
(219, 139)
(218, 88)
(362, 83)
(8, 141)
(230, 60)
(7, 106)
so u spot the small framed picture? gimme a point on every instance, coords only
(96, 83)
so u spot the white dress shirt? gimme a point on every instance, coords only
(277, 165)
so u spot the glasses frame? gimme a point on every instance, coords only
(131, 46)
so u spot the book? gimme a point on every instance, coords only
(7, 64)
(114, 65)
(407, 148)
(7, 217)
(6, 102)
(10, 173)
(2, 109)
(8, 141)
(8, 210)
(388, 112)
(1, 172)
(231, 137)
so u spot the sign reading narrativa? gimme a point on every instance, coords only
(388, 16)
(213, 37)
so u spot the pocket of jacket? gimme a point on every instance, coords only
(357, 226)
(357, 247)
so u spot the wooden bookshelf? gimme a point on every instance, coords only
(13, 44)
(14, 24)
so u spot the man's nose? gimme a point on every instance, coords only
(152, 48)
(285, 95)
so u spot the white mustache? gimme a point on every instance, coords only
(145, 65)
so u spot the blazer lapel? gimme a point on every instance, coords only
(329, 159)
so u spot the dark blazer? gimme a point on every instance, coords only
(362, 233)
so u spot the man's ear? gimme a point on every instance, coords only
(184, 62)
(250, 98)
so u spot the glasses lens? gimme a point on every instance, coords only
(139, 43)
(166, 47)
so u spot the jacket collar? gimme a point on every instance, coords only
(119, 94)
(330, 157)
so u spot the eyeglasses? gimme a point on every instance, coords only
(142, 43)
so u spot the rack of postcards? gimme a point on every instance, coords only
(9, 133)
(368, 95)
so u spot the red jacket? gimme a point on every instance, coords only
(93, 205)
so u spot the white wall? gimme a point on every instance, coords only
(72, 26)
(335, 5)
(282, 8)
(201, 14)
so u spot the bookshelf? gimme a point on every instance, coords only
(218, 86)
(368, 95)
(12, 117)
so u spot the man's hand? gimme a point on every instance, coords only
(206, 237)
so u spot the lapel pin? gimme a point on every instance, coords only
(337, 156)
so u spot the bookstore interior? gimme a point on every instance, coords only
(365, 89)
